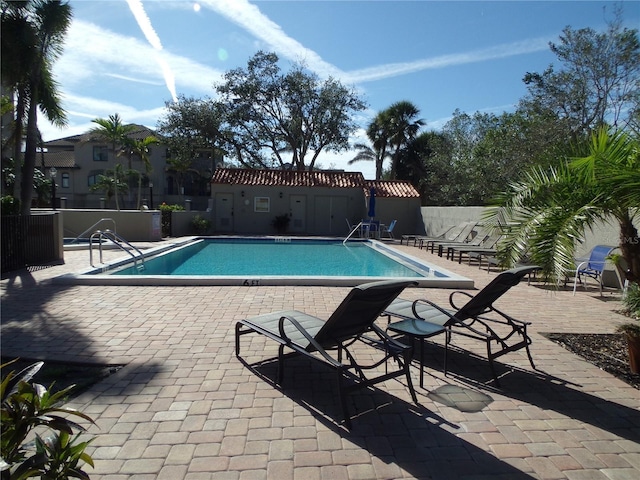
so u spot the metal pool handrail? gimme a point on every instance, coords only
(355, 229)
(94, 226)
(117, 240)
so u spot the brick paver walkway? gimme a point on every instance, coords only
(185, 407)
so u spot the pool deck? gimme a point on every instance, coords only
(185, 407)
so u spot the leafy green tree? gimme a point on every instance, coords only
(549, 209)
(598, 82)
(32, 39)
(193, 124)
(269, 113)
(438, 186)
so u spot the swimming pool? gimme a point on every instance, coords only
(271, 261)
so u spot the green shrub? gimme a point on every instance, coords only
(170, 208)
(166, 216)
(9, 205)
(631, 300)
(200, 225)
(281, 222)
(27, 406)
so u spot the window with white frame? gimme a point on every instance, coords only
(262, 204)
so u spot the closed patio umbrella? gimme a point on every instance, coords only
(372, 203)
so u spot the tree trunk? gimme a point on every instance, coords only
(31, 143)
(630, 247)
(17, 148)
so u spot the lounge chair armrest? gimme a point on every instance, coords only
(385, 337)
(306, 335)
(509, 318)
(580, 265)
(431, 304)
(452, 303)
(452, 318)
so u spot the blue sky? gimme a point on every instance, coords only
(131, 56)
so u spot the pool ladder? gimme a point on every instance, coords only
(117, 240)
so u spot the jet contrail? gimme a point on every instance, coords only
(152, 37)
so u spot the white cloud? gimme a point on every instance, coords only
(132, 79)
(380, 72)
(251, 19)
(81, 110)
(144, 22)
(92, 52)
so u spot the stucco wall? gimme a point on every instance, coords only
(314, 211)
(132, 225)
(435, 218)
(605, 233)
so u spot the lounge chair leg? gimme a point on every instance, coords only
(238, 325)
(280, 374)
(529, 355)
(407, 361)
(447, 340)
(492, 366)
(421, 362)
(342, 399)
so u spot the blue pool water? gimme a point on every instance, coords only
(267, 257)
(269, 261)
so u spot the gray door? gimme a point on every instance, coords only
(298, 206)
(330, 214)
(224, 212)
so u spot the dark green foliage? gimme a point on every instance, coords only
(31, 409)
(200, 225)
(9, 205)
(281, 222)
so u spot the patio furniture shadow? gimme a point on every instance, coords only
(392, 430)
(538, 388)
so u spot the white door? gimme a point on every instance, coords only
(224, 212)
(298, 206)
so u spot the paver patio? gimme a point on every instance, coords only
(185, 407)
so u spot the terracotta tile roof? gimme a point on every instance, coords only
(287, 178)
(318, 178)
(391, 188)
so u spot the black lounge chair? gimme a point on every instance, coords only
(351, 322)
(504, 333)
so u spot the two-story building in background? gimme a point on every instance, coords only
(79, 160)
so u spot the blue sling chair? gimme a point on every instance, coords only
(330, 341)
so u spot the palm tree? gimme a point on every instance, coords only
(140, 148)
(400, 127)
(116, 133)
(112, 183)
(378, 136)
(551, 209)
(32, 38)
(113, 131)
